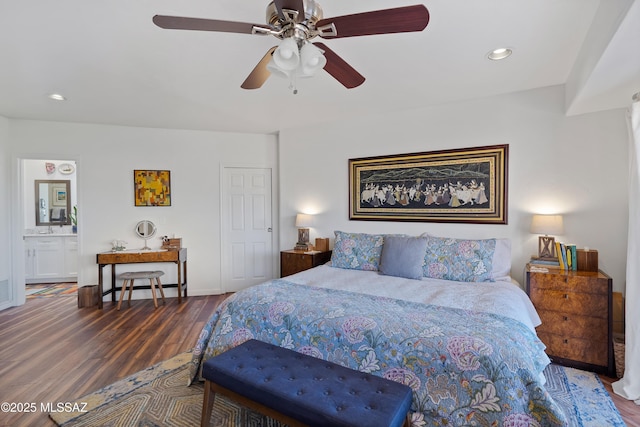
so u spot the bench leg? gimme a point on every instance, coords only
(153, 293)
(159, 283)
(122, 291)
(207, 404)
(130, 291)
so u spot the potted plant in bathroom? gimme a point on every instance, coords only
(73, 216)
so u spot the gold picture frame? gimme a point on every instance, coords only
(152, 187)
(462, 186)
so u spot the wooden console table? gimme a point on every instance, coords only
(178, 257)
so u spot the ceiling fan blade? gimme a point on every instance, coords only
(199, 24)
(259, 74)
(397, 20)
(291, 5)
(339, 69)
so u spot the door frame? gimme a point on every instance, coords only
(275, 203)
(17, 273)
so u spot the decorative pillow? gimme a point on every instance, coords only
(459, 260)
(357, 251)
(403, 256)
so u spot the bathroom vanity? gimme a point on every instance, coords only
(51, 258)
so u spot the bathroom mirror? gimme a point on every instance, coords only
(145, 229)
(52, 201)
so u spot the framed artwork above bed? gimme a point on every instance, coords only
(463, 185)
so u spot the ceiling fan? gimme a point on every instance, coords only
(296, 22)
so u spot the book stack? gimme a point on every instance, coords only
(544, 262)
(567, 256)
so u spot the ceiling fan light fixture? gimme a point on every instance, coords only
(311, 59)
(273, 68)
(500, 53)
(287, 55)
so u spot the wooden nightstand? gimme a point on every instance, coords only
(292, 262)
(577, 317)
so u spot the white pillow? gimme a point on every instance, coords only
(501, 265)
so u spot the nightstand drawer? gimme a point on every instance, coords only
(573, 325)
(570, 302)
(570, 282)
(584, 350)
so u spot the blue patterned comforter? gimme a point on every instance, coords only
(465, 367)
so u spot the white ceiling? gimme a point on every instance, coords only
(116, 67)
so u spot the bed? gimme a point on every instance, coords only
(440, 315)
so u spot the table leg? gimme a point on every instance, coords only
(184, 266)
(113, 283)
(179, 282)
(100, 268)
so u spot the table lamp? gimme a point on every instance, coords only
(303, 222)
(547, 224)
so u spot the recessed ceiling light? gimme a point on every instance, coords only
(498, 54)
(57, 97)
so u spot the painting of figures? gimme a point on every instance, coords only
(465, 185)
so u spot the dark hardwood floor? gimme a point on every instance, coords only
(51, 351)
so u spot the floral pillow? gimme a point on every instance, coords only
(357, 251)
(459, 260)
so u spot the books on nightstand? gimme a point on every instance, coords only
(569, 257)
(544, 262)
(566, 257)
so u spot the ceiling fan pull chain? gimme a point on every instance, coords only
(293, 83)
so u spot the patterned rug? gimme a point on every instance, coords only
(158, 396)
(47, 290)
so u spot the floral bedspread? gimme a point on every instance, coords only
(465, 367)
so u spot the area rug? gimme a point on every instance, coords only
(48, 290)
(158, 396)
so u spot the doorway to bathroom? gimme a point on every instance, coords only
(50, 217)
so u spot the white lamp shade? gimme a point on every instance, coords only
(304, 220)
(311, 60)
(287, 55)
(276, 71)
(547, 224)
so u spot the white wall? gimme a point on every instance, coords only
(106, 157)
(5, 230)
(576, 166)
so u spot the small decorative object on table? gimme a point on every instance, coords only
(172, 244)
(587, 259)
(118, 245)
(322, 244)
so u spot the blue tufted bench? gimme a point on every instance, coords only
(301, 390)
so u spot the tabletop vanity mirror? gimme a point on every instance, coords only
(53, 201)
(145, 229)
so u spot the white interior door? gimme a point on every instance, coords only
(247, 236)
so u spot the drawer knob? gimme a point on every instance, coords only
(566, 296)
(565, 341)
(565, 318)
